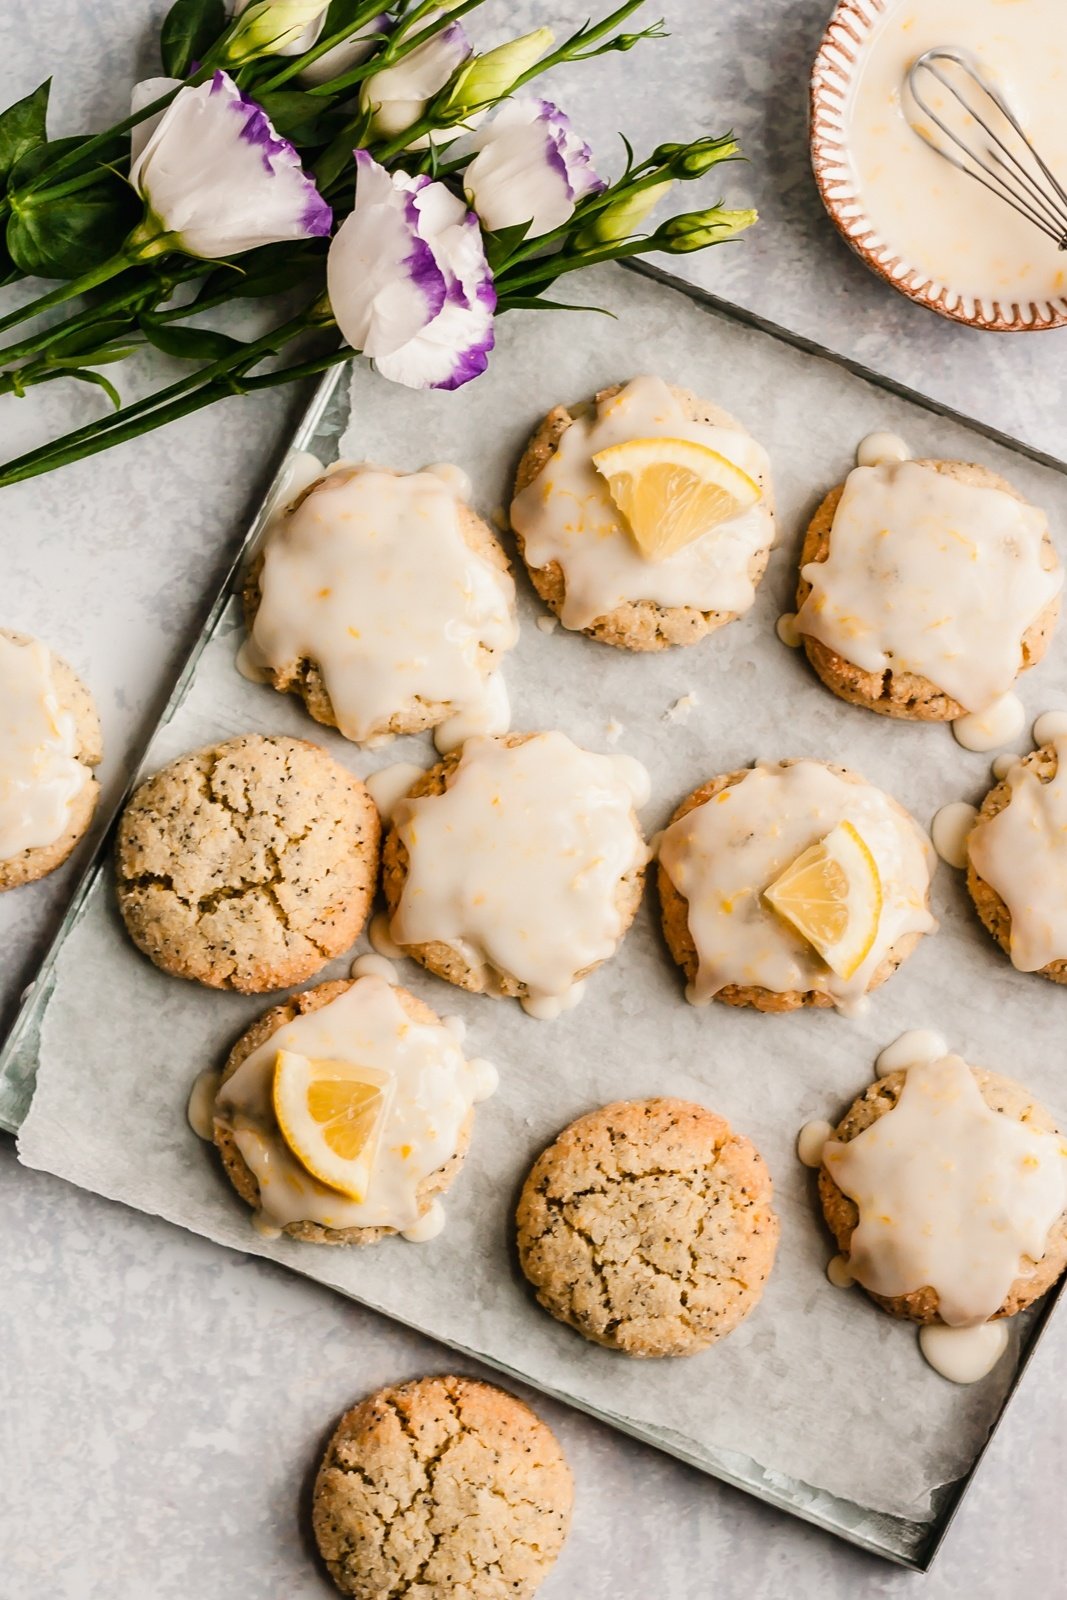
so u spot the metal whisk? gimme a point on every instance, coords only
(1008, 166)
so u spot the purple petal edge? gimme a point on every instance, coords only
(317, 217)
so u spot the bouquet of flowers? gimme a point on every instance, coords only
(357, 154)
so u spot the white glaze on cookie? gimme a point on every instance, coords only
(810, 1140)
(724, 854)
(201, 1107)
(951, 1194)
(917, 1044)
(390, 784)
(433, 1089)
(567, 515)
(40, 775)
(878, 447)
(1050, 725)
(370, 577)
(1022, 854)
(949, 831)
(1001, 721)
(517, 865)
(930, 575)
(963, 1355)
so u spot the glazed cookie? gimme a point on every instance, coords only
(516, 867)
(925, 588)
(648, 1227)
(1017, 862)
(49, 744)
(385, 603)
(735, 837)
(956, 1210)
(247, 865)
(441, 1489)
(585, 557)
(344, 1112)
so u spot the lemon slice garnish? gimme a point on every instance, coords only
(832, 896)
(670, 491)
(330, 1114)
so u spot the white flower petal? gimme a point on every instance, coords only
(397, 95)
(529, 166)
(144, 94)
(216, 175)
(285, 25)
(351, 52)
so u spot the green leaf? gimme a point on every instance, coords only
(22, 126)
(189, 344)
(295, 115)
(499, 246)
(189, 29)
(531, 302)
(85, 375)
(64, 238)
(34, 164)
(85, 341)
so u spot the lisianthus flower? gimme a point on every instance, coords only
(351, 52)
(216, 179)
(144, 94)
(408, 281)
(530, 166)
(397, 96)
(276, 27)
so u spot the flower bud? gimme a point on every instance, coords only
(695, 230)
(530, 166)
(622, 218)
(397, 96)
(274, 28)
(693, 160)
(488, 78)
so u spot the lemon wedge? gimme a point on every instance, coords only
(832, 896)
(330, 1114)
(671, 491)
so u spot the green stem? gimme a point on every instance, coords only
(58, 451)
(156, 287)
(579, 40)
(555, 266)
(70, 291)
(365, 14)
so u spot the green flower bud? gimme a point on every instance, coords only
(695, 230)
(273, 27)
(486, 79)
(622, 218)
(693, 160)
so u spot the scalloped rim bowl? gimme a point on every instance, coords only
(839, 55)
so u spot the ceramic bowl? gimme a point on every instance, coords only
(833, 73)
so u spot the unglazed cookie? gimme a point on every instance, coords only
(601, 585)
(728, 842)
(648, 1227)
(49, 744)
(961, 1198)
(515, 867)
(980, 611)
(441, 1489)
(430, 1088)
(1017, 858)
(247, 865)
(385, 603)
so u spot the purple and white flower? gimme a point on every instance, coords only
(397, 96)
(530, 166)
(216, 179)
(408, 280)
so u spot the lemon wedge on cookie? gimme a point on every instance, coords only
(671, 491)
(330, 1114)
(832, 896)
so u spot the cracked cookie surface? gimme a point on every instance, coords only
(441, 1489)
(247, 865)
(648, 1227)
(907, 695)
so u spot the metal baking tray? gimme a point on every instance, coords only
(655, 312)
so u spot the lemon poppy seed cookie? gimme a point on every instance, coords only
(925, 588)
(516, 867)
(645, 518)
(945, 1187)
(247, 865)
(441, 1488)
(345, 1112)
(792, 884)
(386, 604)
(648, 1227)
(49, 744)
(1017, 862)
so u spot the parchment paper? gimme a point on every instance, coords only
(817, 1386)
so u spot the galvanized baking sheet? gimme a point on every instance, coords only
(99, 1085)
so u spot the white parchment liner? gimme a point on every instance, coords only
(817, 1386)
